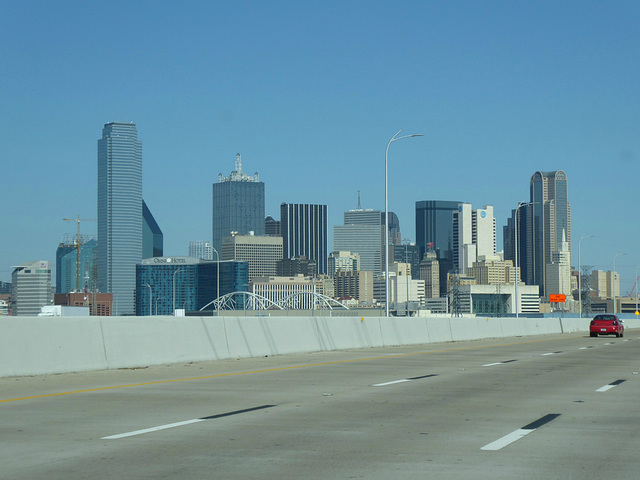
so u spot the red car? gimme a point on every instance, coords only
(606, 324)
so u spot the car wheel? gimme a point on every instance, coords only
(617, 335)
(593, 334)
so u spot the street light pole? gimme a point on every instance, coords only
(637, 289)
(217, 282)
(613, 280)
(150, 299)
(516, 246)
(580, 273)
(386, 215)
(174, 291)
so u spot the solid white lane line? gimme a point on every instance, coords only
(152, 429)
(391, 383)
(506, 440)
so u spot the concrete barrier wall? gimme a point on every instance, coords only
(45, 345)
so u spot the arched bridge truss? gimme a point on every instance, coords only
(295, 301)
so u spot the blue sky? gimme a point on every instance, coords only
(310, 93)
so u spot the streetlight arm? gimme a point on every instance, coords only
(386, 215)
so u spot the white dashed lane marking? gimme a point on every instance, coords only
(180, 424)
(610, 386)
(521, 432)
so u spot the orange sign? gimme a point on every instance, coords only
(557, 298)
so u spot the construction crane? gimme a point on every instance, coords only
(78, 245)
(633, 288)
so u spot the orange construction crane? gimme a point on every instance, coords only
(78, 245)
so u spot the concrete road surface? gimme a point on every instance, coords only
(532, 407)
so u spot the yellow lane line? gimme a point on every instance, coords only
(276, 369)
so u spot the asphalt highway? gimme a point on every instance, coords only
(540, 407)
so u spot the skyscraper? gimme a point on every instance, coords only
(31, 287)
(238, 205)
(152, 237)
(67, 269)
(201, 249)
(304, 232)
(474, 235)
(550, 224)
(362, 233)
(434, 230)
(119, 213)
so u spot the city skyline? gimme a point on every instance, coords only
(499, 91)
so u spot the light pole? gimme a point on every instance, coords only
(636, 288)
(613, 280)
(217, 282)
(157, 298)
(150, 299)
(516, 250)
(386, 215)
(580, 273)
(174, 291)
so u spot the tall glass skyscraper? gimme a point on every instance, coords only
(152, 237)
(550, 224)
(238, 205)
(119, 213)
(304, 232)
(434, 229)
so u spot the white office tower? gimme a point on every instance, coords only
(201, 249)
(474, 235)
(558, 272)
(31, 287)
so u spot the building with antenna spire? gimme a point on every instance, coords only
(238, 205)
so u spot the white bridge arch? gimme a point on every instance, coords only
(295, 301)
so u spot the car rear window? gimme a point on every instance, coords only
(605, 317)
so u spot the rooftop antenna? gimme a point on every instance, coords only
(359, 207)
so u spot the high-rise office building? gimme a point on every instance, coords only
(558, 272)
(261, 252)
(408, 253)
(66, 246)
(31, 287)
(304, 233)
(238, 205)
(519, 219)
(343, 262)
(550, 219)
(434, 230)
(152, 237)
(395, 237)
(430, 273)
(474, 235)
(271, 226)
(363, 233)
(67, 269)
(120, 221)
(201, 249)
